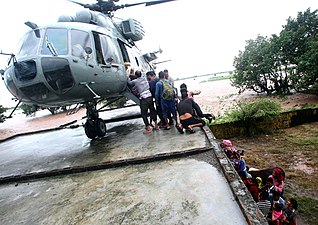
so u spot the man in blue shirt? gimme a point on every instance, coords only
(167, 105)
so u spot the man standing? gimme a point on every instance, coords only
(146, 100)
(166, 72)
(167, 102)
(170, 79)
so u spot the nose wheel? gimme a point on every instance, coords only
(94, 126)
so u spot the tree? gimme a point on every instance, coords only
(29, 109)
(308, 68)
(281, 63)
(258, 68)
(2, 117)
(300, 48)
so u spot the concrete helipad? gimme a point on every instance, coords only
(124, 178)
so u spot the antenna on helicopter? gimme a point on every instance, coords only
(107, 7)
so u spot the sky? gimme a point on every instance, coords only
(198, 36)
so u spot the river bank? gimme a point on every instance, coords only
(215, 97)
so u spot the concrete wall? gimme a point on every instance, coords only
(263, 125)
(243, 197)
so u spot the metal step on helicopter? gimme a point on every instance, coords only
(80, 59)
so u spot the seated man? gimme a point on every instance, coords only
(190, 113)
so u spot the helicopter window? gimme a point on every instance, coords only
(55, 42)
(123, 51)
(98, 48)
(115, 51)
(79, 41)
(110, 53)
(29, 45)
(37, 92)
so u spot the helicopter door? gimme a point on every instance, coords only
(109, 63)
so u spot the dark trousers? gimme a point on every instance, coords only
(191, 121)
(146, 104)
(159, 112)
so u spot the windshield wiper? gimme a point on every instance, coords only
(50, 46)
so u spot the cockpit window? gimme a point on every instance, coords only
(106, 53)
(79, 41)
(110, 53)
(29, 44)
(55, 42)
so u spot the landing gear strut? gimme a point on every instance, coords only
(94, 126)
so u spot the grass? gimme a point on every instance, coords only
(222, 77)
(308, 207)
(296, 151)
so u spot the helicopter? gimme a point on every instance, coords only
(82, 59)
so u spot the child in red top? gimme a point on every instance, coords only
(277, 217)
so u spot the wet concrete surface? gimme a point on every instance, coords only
(71, 147)
(183, 190)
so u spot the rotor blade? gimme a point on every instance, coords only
(109, 6)
(147, 3)
(158, 2)
(78, 3)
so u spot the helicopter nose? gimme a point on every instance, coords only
(25, 70)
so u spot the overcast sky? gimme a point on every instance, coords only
(198, 36)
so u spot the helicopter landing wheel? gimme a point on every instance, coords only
(90, 130)
(100, 127)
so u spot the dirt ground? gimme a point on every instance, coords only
(296, 151)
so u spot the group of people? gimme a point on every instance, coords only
(159, 97)
(267, 191)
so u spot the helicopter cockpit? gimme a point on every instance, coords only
(54, 43)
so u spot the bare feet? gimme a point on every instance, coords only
(147, 131)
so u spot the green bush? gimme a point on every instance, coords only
(253, 110)
(119, 103)
(29, 109)
(250, 114)
(2, 117)
(250, 111)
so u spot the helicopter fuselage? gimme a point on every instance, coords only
(72, 62)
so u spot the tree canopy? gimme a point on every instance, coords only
(282, 62)
(2, 117)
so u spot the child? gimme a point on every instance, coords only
(277, 216)
(240, 165)
(276, 198)
(227, 147)
(260, 185)
(291, 211)
(263, 204)
(269, 187)
(251, 185)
